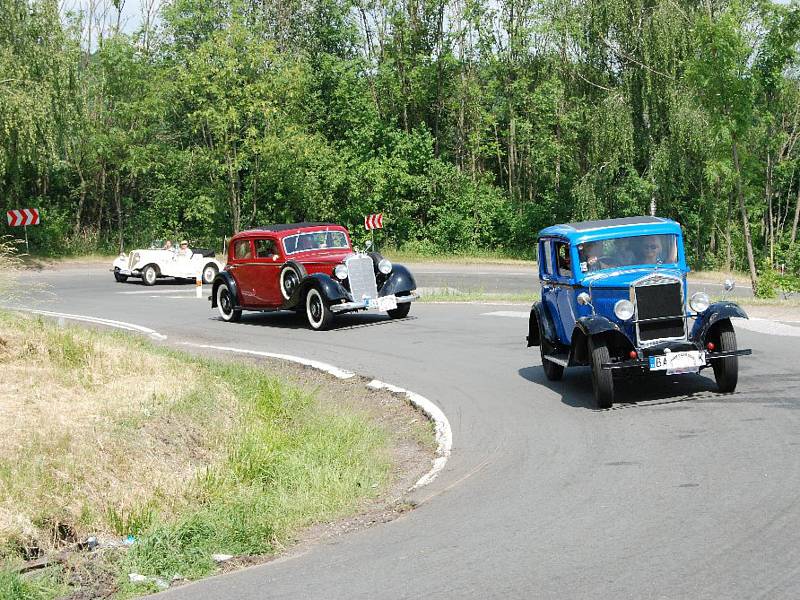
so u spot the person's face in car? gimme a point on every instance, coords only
(651, 251)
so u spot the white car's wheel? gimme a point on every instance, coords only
(226, 303)
(209, 273)
(149, 275)
(318, 313)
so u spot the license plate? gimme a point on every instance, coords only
(383, 303)
(675, 363)
(125, 271)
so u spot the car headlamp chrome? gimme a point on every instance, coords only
(623, 309)
(699, 302)
(340, 271)
(385, 266)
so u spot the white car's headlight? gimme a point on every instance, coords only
(385, 266)
(623, 309)
(340, 271)
(699, 302)
(121, 255)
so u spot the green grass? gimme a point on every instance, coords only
(273, 458)
(40, 586)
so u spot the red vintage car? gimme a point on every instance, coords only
(310, 267)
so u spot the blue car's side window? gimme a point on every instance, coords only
(546, 257)
(563, 260)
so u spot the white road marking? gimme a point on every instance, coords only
(767, 326)
(444, 434)
(516, 314)
(321, 366)
(98, 321)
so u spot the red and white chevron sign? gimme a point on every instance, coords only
(25, 216)
(374, 221)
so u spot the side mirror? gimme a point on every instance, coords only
(728, 285)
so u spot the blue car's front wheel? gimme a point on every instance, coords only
(602, 379)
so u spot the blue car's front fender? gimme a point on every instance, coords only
(713, 315)
(596, 325)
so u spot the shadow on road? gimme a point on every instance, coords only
(287, 319)
(632, 391)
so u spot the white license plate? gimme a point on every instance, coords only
(125, 271)
(674, 363)
(383, 303)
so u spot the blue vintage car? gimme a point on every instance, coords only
(614, 297)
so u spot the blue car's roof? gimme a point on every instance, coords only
(610, 228)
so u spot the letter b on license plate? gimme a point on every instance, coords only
(678, 362)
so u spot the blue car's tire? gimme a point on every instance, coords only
(726, 370)
(602, 379)
(552, 371)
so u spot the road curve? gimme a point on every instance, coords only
(680, 493)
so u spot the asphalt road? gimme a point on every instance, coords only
(676, 493)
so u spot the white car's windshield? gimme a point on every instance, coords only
(317, 240)
(628, 251)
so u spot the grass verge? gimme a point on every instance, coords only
(106, 435)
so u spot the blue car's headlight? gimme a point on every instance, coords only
(699, 302)
(624, 310)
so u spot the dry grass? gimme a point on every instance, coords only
(107, 435)
(92, 431)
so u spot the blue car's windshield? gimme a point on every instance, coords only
(628, 251)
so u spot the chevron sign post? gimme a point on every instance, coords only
(373, 221)
(23, 217)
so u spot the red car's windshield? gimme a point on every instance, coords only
(315, 240)
(628, 251)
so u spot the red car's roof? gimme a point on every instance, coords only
(290, 229)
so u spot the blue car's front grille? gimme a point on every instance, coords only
(659, 308)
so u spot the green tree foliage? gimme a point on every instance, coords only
(470, 123)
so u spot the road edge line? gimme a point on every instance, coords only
(96, 320)
(443, 432)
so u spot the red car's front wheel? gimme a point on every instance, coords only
(318, 313)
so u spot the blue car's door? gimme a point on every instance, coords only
(565, 296)
(547, 278)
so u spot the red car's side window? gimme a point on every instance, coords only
(241, 250)
(266, 249)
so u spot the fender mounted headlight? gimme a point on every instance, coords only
(699, 302)
(385, 266)
(340, 271)
(623, 309)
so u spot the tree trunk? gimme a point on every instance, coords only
(745, 222)
(118, 207)
(796, 215)
(770, 216)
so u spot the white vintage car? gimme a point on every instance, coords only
(157, 262)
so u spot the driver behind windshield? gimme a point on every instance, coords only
(590, 254)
